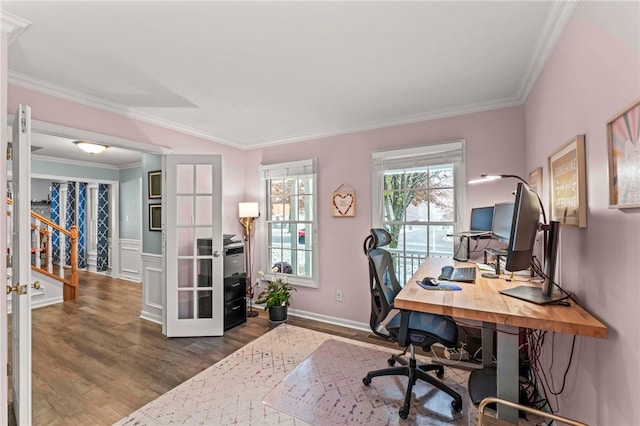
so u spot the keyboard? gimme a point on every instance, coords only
(465, 274)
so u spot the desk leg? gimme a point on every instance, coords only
(508, 370)
(487, 344)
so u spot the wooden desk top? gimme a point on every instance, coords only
(481, 301)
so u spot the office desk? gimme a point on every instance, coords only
(482, 302)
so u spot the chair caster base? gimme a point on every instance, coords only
(403, 413)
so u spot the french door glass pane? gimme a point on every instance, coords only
(205, 303)
(204, 178)
(185, 304)
(185, 273)
(204, 206)
(185, 241)
(184, 179)
(184, 204)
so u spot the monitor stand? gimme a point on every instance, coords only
(461, 254)
(533, 294)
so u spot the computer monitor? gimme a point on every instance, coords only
(502, 218)
(481, 218)
(524, 228)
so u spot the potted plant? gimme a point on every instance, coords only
(276, 296)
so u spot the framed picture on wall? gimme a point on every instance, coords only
(567, 183)
(343, 201)
(623, 148)
(155, 217)
(535, 180)
(155, 184)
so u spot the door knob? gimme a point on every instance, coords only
(216, 253)
(19, 289)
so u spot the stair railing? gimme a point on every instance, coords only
(41, 259)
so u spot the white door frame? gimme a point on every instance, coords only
(10, 28)
(21, 269)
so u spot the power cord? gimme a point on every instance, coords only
(538, 270)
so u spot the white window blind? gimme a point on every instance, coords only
(292, 168)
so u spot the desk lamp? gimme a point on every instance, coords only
(248, 212)
(489, 178)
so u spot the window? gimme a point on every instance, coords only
(290, 206)
(417, 196)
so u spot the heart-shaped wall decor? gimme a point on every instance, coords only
(343, 203)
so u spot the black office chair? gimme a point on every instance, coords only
(424, 329)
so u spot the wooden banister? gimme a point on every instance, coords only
(70, 286)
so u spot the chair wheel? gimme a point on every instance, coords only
(391, 362)
(440, 374)
(366, 381)
(403, 413)
(457, 406)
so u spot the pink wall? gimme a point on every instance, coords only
(591, 76)
(59, 111)
(494, 144)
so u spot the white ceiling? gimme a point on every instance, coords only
(251, 74)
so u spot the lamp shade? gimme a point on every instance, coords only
(249, 209)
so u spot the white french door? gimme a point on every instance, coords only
(21, 267)
(192, 203)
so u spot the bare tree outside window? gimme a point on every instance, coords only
(419, 211)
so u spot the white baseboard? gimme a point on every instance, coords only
(330, 320)
(150, 316)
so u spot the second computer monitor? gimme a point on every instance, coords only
(481, 218)
(502, 219)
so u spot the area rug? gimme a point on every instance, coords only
(231, 391)
(327, 389)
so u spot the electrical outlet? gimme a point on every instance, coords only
(339, 295)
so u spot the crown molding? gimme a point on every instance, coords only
(74, 96)
(558, 16)
(130, 166)
(557, 19)
(74, 162)
(412, 119)
(57, 91)
(13, 25)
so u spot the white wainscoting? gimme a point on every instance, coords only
(130, 260)
(152, 293)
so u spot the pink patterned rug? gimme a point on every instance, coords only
(326, 389)
(280, 366)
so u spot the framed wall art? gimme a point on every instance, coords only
(155, 217)
(535, 181)
(155, 184)
(343, 201)
(623, 148)
(567, 181)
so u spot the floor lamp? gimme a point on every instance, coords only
(248, 212)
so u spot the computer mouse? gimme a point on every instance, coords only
(430, 281)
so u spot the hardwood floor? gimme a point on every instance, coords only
(95, 360)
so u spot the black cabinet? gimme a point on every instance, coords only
(235, 301)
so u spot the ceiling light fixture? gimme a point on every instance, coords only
(90, 147)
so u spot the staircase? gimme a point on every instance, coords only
(57, 283)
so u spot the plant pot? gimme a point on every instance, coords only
(278, 313)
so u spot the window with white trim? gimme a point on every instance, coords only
(418, 196)
(291, 225)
